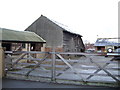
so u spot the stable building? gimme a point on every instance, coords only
(12, 40)
(57, 35)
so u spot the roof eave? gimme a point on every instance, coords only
(14, 41)
(72, 32)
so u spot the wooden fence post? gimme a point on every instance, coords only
(2, 63)
(53, 65)
(28, 49)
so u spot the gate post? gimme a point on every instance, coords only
(2, 63)
(28, 49)
(53, 65)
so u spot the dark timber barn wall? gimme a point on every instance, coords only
(72, 42)
(56, 36)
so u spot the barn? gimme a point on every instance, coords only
(57, 35)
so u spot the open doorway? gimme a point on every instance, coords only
(7, 46)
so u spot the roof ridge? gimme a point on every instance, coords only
(65, 27)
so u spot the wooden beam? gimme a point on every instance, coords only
(38, 64)
(84, 80)
(2, 63)
(77, 53)
(28, 49)
(44, 65)
(53, 65)
(109, 74)
(18, 59)
(99, 68)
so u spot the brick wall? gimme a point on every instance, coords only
(56, 49)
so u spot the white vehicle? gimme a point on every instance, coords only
(115, 53)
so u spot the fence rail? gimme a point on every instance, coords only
(82, 67)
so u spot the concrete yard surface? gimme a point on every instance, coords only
(10, 83)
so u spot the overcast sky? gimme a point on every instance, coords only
(89, 18)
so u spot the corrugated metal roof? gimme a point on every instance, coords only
(107, 41)
(19, 36)
(64, 27)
